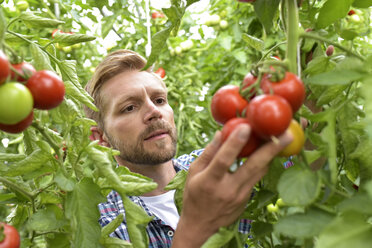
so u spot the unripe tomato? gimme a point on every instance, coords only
(298, 140)
(271, 208)
(47, 88)
(290, 88)
(253, 141)
(178, 50)
(160, 72)
(20, 126)
(269, 115)
(15, 103)
(22, 5)
(280, 202)
(186, 45)
(24, 69)
(11, 239)
(224, 24)
(227, 103)
(4, 67)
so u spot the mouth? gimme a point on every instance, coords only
(157, 135)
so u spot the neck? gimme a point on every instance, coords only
(162, 174)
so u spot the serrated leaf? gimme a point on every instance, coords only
(10, 157)
(266, 11)
(299, 187)
(66, 39)
(81, 209)
(41, 58)
(111, 227)
(79, 94)
(303, 225)
(222, 237)
(331, 11)
(335, 77)
(44, 220)
(34, 21)
(253, 42)
(64, 183)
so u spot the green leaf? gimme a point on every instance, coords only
(253, 42)
(41, 58)
(5, 197)
(44, 220)
(178, 183)
(64, 183)
(34, 21)
(10, 157)
(261, 229)
(298, 186)
(266, 10)
(335, 77)
(82, 211)
(79, 95)
(362, 3)
(223, 236)
(347, 230)
(58, 240)
(331, 11)
(111, 227)
(110, 242)
(69, 39)
(303, 225)
(137, 220)
(348, 34)
(357, 203)
(157, 43)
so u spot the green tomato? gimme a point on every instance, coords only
(22, 5)
(271, 208)
(16, 103)
(186, 45)
(224, 24)
(280, 203)
(178, 50)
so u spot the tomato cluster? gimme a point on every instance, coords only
(23, 88)
(9, 236)
(267, 106)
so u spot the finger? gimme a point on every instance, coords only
(257, 163)
(229, 151)
(204, 159)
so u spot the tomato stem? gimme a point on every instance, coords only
(292, 35)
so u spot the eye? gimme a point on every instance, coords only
(160, 100)
(128, 109)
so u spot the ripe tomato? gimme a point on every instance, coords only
(25, 71)
(157, 14)
(269, 115)
(253, 141)
(5, 67)
(11, 239)
(290, 88)
(47, 88)
(227, 103)
(249, 80)
(15, 103)
(20, 126)
(351, 12)
(160, 72)
(298, 140)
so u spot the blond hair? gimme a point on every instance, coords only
(114, 63)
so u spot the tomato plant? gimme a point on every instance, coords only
(157, 14)
(5, 67)
(47, 89)
(25, 71)
(290, 88)
(20, 126)
(22, 5)
(161, 72)
(253, 142)
(10, 236)
(270, 115)
(227, 103)
(16, 102)
(298, 142)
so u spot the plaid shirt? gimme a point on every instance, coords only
(160, 234)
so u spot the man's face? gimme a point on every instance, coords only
(138, 120)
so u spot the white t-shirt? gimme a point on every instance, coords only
(163, 206)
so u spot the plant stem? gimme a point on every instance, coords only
(319, 38)
(292, 35)
(15, 187)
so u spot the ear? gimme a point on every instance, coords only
(97, 134)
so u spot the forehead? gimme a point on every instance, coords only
(129, 83)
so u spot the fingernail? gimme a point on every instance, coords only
(286, 138)
(244, 132)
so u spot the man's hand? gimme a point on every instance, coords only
(215, 197)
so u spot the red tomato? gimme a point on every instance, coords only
(161, 72)
(249, 80)
(351, 12)
(11, 239)
(18, 127)
(47, 89)
(253, 141)
(24, 69)
(5, 67)
(269, 115)
(290, 88)
(157, 14)
(227, 103)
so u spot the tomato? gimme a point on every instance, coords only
(271, 208)
(15, 103)
(224, 24)
(24, 69)
(227, 103)
(22, 5)
(351, 12)
(253, 142)
(290, 88)
(160, 72)
(280, 202)
(11, 236)
(20, 126)
(330, 50)
(186, 45)
(249, 80)
(298, 140)
(269, 115)
(47, 88)
(157, 14)
(5, 67)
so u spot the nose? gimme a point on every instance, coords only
(152, 111)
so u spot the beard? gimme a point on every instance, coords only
(137, 154)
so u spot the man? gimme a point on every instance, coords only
(136, 119)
